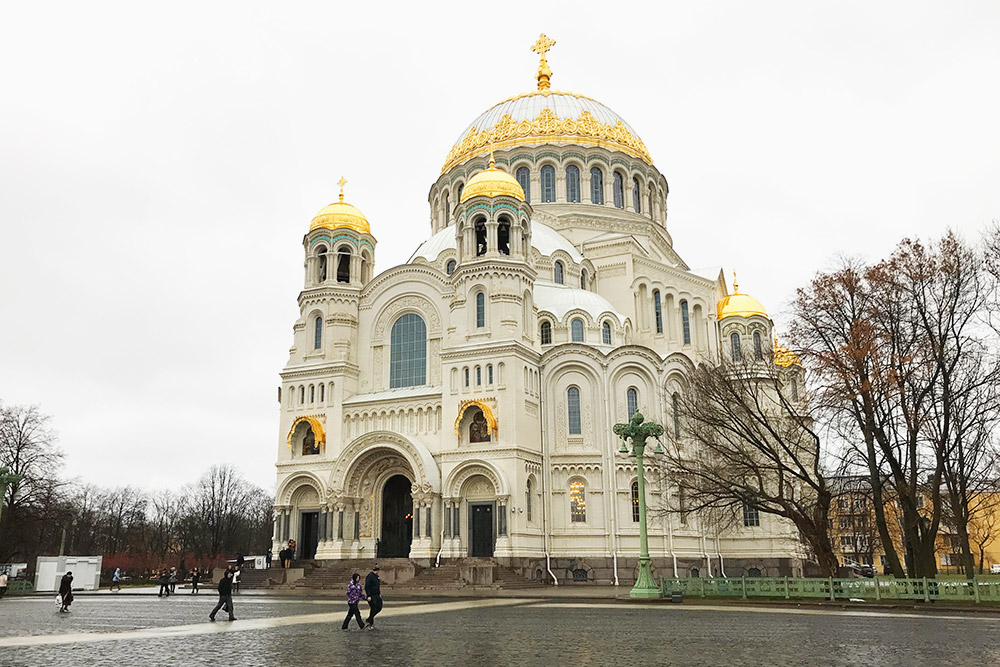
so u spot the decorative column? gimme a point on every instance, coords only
(492, 247)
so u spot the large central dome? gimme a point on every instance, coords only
(544, 116)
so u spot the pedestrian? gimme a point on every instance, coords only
(195, 578)
(240, 560)
(373, 589)
(164, 579)
(267, 559)
(3, 583)
(173, 580)
(354, 595)
(116, 579)
(66, 591)
(236, 580)
(225, 596)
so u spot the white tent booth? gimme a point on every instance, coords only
(49, 570)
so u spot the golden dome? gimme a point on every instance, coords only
(492, 182)
(341, 215)
(785, 357)
(739, 305)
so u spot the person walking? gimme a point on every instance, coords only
(195, 578)
(354, 595)
(66, 591)
(268, 558)
(173, 580)
(116, 580)
(225, 596)
(236, 580)
(3, 583)
(164, 579)
(373, 589)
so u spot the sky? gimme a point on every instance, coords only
(160, 164)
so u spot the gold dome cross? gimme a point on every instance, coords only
(541, 47)
(342, 182)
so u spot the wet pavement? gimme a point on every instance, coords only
(272, 630)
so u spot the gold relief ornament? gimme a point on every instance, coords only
(785, 357)
(482, 404)
(586, 129)
(316, 427)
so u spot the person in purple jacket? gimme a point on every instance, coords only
(354, 595)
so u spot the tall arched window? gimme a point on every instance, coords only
(685, 323)
(636, 195)
(632, 401)
(734, 340)
(546, 333)
(558, 272)
(489, 374)
(795, 389)
(312, 393)
(321, 260)
(408, 352)
(583, 278)
(481, 239)
(577, 501)
(318, 332)
(523, 177)
(618, 189)
(658, 311)
(675, 407)
(344, 265)
(572, 183)
(635, 501)
(596, 185)
(480, 310)
(606, 333)
(479, 376)
(758, 349)
(548, 184)
(447, 209)
(573, 410)
(503, 236)
(527, 499)
(576, 330)
(322, 393)
(461, 186)
(450, 268)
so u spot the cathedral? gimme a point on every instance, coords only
(461, 405)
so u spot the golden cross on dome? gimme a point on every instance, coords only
(736, 285)
(342, 182)
(541, 47)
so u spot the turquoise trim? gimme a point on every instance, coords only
(492, 208)
(324, 237)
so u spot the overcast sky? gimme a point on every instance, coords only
(159, 166)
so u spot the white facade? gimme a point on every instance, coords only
(572, 305)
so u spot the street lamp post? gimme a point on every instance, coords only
(636, 432)
(6, 479)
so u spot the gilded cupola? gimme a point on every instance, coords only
(341, 215)
(739, 305)
(492, 182)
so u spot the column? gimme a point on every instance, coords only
(501, 519)
(427, 521)
(322, 524)
(491, 237)
(447, 520)
(340, 523)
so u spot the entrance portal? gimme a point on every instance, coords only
(481, 530)
(309, 535)
(397, 519)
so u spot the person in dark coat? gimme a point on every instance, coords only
(225, 596)
(354, 595)
(373, 589)
(164, 579)
(66, 591)
(195, 578)
(268, 558)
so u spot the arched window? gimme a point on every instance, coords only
(344, 265)
(734, 340)
(302, 394)
(795, 389)
(583, 278)
(322, 393)
(548, 184)
(479, 376)
(480, 230)
(618, 189)
(658, 311)
(309, 445)
(546, 333)
(503, 236)
(312, 393)
(758, 350)
(318, 332)
(572, 183)
(649, 208)
(558, 272)
(573, 410)
(527, 499)
(695, 573)
(321, 264)
(636, 195)
(489, 374)
(632, 401)
(479, 428)
(461, 186)
(577, 501)
(480, 310)
(685, 323)
(635, 501)
(523, 177)
(753, 572)
(606, 333)
(596, 185)
(466, 370)
(450, 267)
(447, 210)
(576, 330)
(675, 407)
(751, 515)
(408, 352)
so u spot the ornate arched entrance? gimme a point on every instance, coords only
(397, 518)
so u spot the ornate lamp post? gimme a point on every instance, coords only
(636, 432)
(6, 479)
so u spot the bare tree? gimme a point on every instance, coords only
(747, 447)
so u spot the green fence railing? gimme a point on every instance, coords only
(20, 587)
(962, 590)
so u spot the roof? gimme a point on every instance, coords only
(394, 394)
(544, 239)
(561, 299)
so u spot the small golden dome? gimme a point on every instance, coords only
(785, 357)
(341, 215)
(739, 305)
(492, 182)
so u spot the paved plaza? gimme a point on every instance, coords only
(271, 630)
